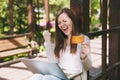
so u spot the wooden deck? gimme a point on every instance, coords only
(16, 71)
(19, 71)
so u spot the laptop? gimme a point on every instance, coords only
(47, 68)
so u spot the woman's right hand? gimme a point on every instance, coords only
(47, 36)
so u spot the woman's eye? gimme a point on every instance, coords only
(64, 20)
(59, 23)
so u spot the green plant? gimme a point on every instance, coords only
(41, 48)
(2, 35)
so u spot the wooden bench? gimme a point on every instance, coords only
(14, 45)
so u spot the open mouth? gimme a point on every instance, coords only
(65, 30)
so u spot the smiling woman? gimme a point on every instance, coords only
(72, 58)
(65, 24)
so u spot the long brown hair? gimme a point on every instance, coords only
(60, 37)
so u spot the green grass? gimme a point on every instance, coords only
(2, 35)
(13, 57)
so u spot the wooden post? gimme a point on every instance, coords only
(46, 4)
(80, 9)
(11, 17)
(86, 14)
(31, 19)
(103, 9)
(114, 38)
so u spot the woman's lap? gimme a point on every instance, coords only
(43, 77)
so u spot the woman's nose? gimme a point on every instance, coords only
(62, 25)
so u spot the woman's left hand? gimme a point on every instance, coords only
(85, 50)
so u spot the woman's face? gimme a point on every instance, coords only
(65, 24)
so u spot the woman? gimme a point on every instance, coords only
(72, 58)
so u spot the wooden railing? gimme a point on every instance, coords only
(98, 33)
(104, 66)
(107, 71)
(13, 45)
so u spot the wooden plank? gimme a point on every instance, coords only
(15, 35)
(14, 52)
(12, 43)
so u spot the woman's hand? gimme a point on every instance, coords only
(85, 50)
(47, 36)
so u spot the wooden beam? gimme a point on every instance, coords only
(114, 38)
(80, 10)
(76, 7)
(11, 17)
(31, 19)
(46, 5)
(103, 17)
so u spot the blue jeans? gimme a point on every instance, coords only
(43, 77)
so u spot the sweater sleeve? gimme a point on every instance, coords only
(87, 63)
(50, 51)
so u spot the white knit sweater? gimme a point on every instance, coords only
(70, 63)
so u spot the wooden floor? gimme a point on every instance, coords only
(19, 71)
(16, 71)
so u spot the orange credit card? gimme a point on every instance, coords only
(77, 39)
